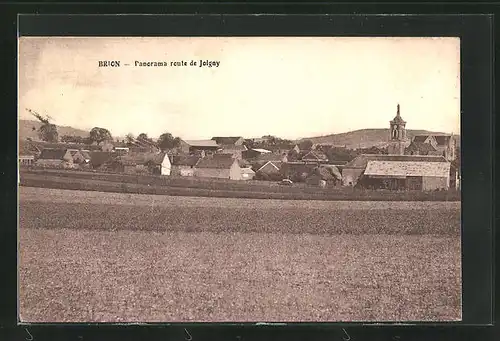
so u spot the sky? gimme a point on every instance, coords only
(284, 86)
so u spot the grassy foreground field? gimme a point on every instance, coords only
(90, 256)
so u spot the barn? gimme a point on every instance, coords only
(411, 175)
(57, 158)
(412, 172)
(222, 166)
(183, 165)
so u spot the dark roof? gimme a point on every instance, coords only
(268, 157)
(315, 155)
(28, 148)
(142, 158)
(269, 167)
(442, 140)
(362, 160)
(52, 154)
(185, 160)
(49, 145)
(421, 147)
(420, 138)
(218, 161)
(274, 147)
(244, 163)
(226, 139)
(99, 158)
(233, 147)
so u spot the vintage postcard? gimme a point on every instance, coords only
(239, 179)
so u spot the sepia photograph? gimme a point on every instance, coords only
(239, 179)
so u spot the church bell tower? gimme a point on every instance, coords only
(397, 138)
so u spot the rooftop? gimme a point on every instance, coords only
(52, 154)
(362, 160)
(218, 161)
(407, 168)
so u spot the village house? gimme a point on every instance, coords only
(282, 148)
(277, 160)
(229, 140)
(324, 176)
(222, 166)
(183, 165)
(271, 170)
(152, 163)
(235, 150)
(27, 153)
(398, 171)
(444, 144)
(247, 173)
(77, 156)
(421, 148)
(55, 158)
(26, 160)
(99, 160)
(315, 156)
(298, 170)
(200, 147)
(408, 175)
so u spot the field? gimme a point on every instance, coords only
(112, 257)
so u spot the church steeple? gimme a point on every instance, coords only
(397, 133)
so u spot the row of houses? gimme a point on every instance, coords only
(424, 164)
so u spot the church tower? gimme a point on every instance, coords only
(397, 139)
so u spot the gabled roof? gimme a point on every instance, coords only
(247, 170)
(269, 165)
(315, 155)
(142, 158)
(442, 140)
(28, 148)
(233, 147)
(274, 147)
(52, 154)
(421, 147)
(185, 160)
(202, 143)
(226, 139)
(217, 161)
(420, 138)
(362, 160)
(407, 168)
(333, 170)
(268, 157)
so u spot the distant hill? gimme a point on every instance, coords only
(365, 138)
(26, 130)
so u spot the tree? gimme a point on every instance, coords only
(100, 135)
(143, 136)
(47, 131)
(168, 141)
(306, 145)
(129, 138)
